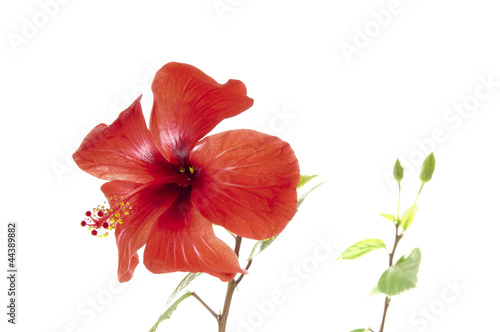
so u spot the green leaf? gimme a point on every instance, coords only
(361, 330)
(402, 276)
(408, 216)
(304, 179)
(169, 311)
(374, 291)
(260, 246)
(398, 171)
(183, 284)
(427, 168)
(361, 248)
(389, 216)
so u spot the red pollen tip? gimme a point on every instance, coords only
(94, 232)
(83, 223)
(105, 225)
(100, 213)
(88, 213)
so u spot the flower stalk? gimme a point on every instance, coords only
(193, 294)
(231, 286)
(387, 301)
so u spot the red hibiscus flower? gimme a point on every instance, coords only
(168, 185)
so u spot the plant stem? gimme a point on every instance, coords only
(386, 306)
(397, 238)
(231, 286)
(387, 302)
(193, 294)
(399, 199)
(419, 193)
(246, 268)
(227, 304)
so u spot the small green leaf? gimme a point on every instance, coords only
(427, 168)
(388, 216)
(408, 216)
(169, 311)
(183, 284)
(402, 276)
(361, 330)
(260, 246)
(361, 248)
(374, 291)
(398, 171)
(304, 179)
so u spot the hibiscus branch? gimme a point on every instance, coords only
(242, 275)
(193, 294)
(387, 302)
(227, 304)
(222, 318)
(231, 286)
(237, 245)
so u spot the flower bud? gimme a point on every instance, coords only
(427, 168)
(398, 171)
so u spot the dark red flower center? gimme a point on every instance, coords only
(189, 175)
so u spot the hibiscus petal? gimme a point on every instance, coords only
(147, 203)
(188, 104)
(247, 182)
(123, 150)
(182, 240)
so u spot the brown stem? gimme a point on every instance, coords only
(386, 306)
(398, 237)
(387, 302)
(193, 294)
(237, 245)
(227, 304)
(231, 286)
(241, 276)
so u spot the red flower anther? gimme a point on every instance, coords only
(168, 185)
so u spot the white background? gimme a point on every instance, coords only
(349, 118)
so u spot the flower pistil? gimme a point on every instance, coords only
(103, 219)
